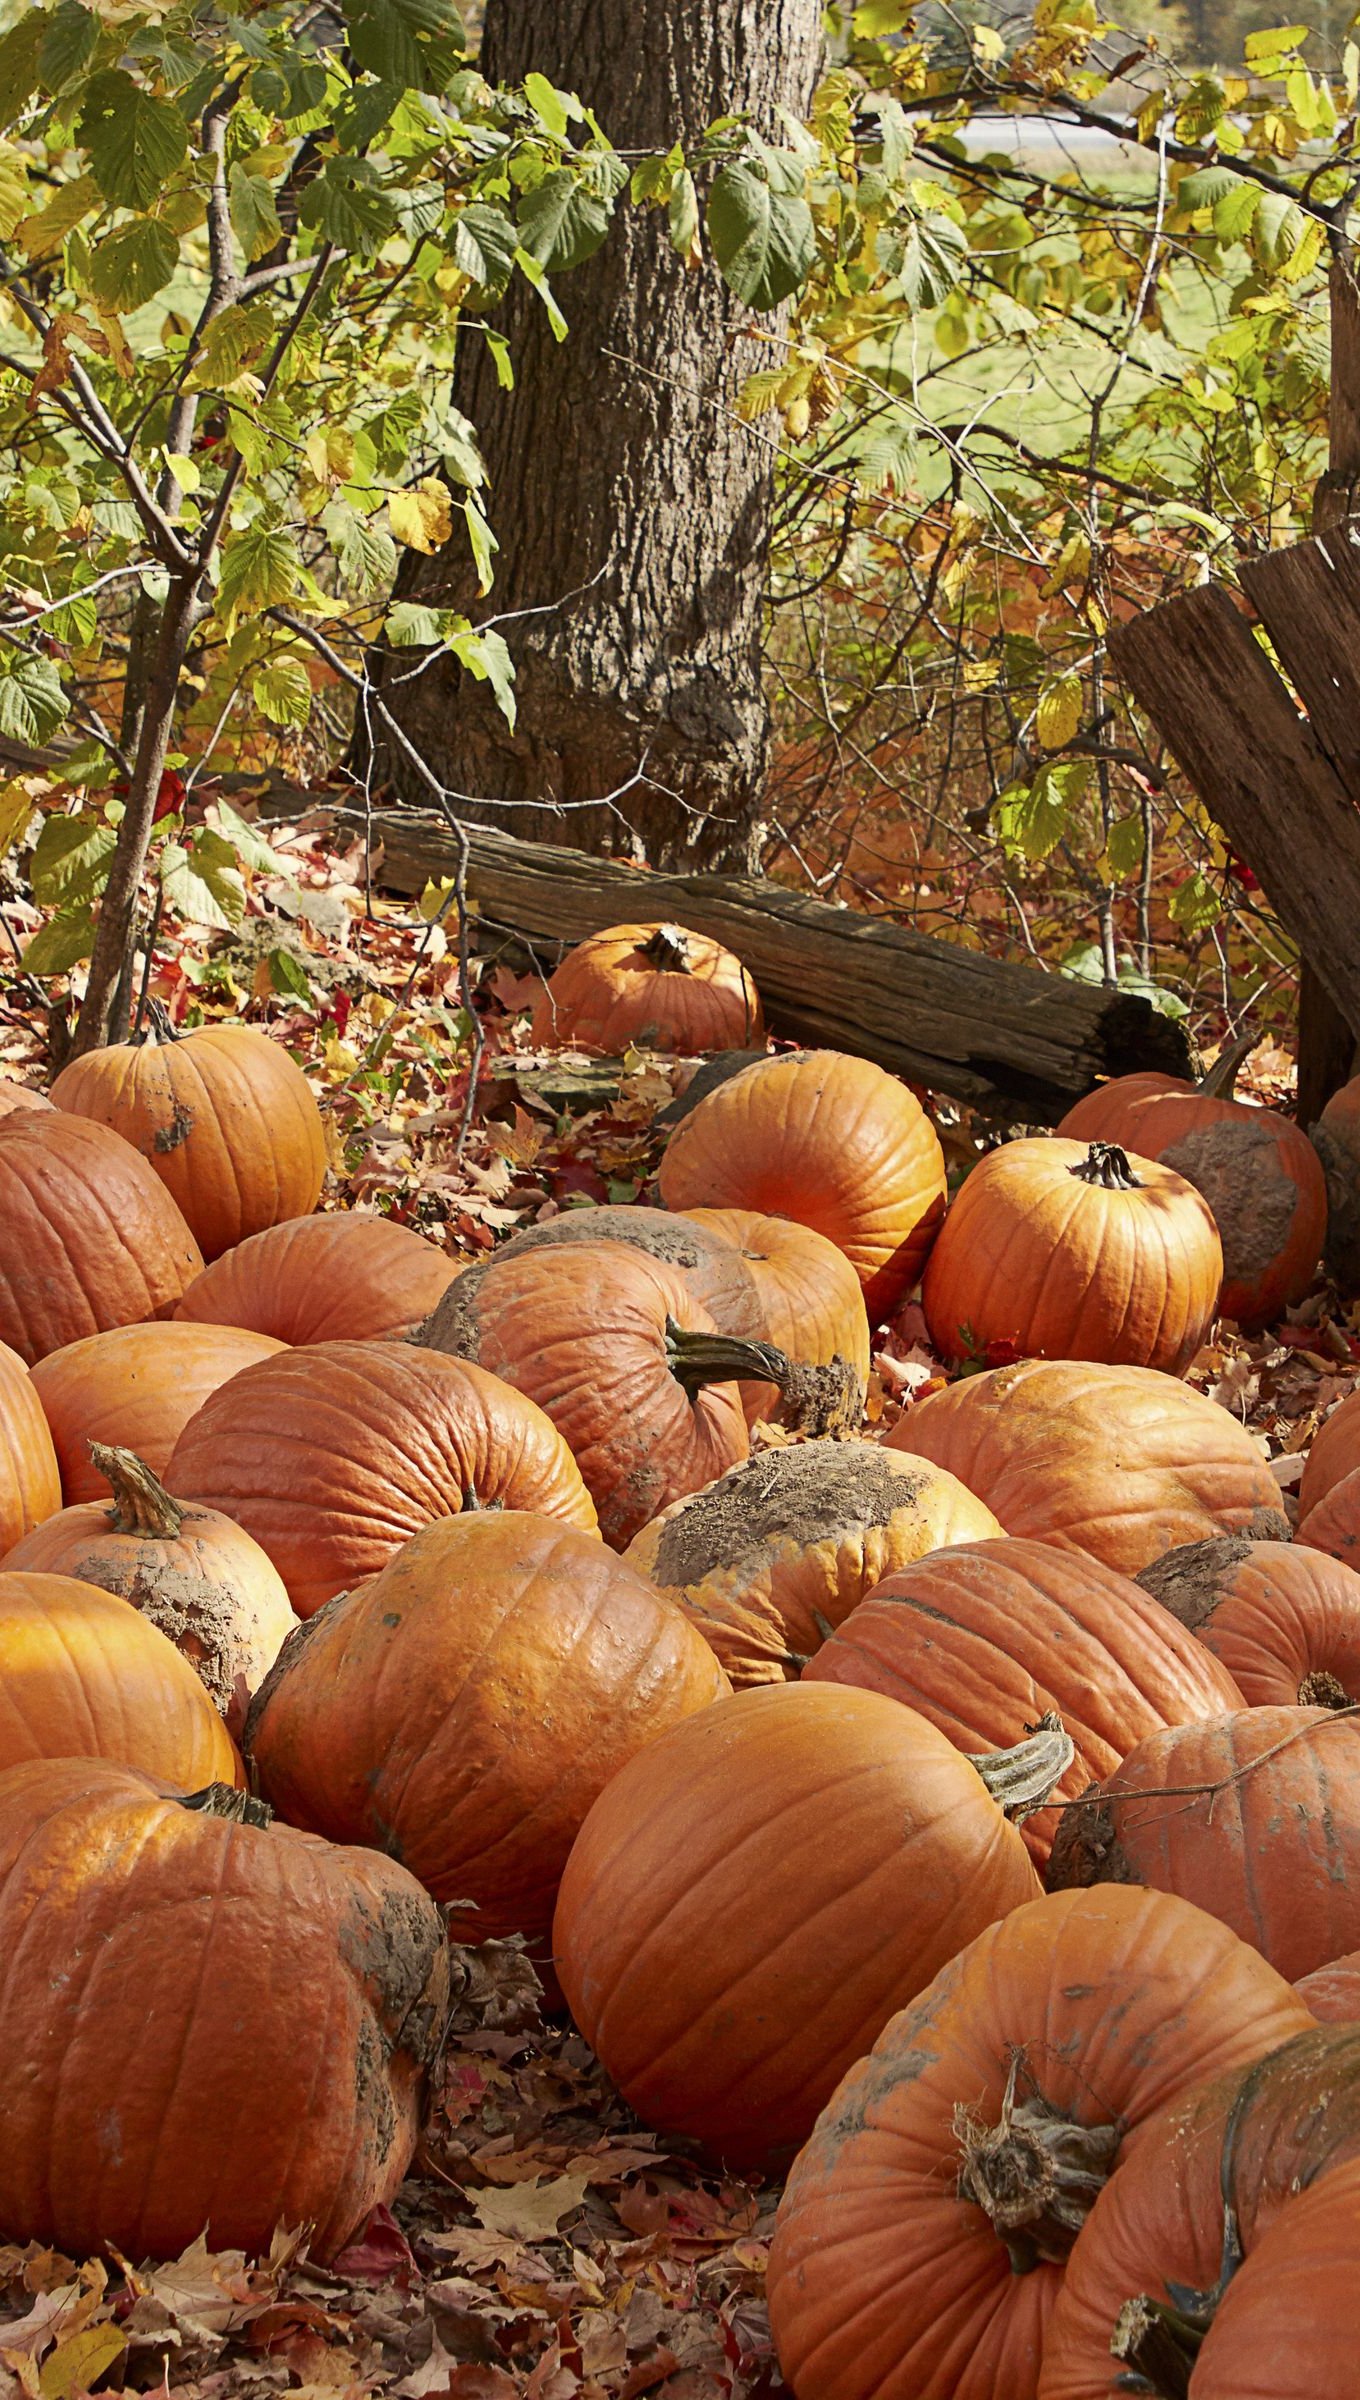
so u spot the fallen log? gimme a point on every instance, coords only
(1006, 1038)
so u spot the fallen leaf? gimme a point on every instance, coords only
(531, 2213)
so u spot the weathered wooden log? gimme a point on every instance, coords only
(1004, 1037)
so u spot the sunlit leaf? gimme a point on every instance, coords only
(32, 702)
(763, 240)
(135, 143)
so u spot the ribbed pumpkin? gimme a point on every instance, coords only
(89, 1238)
(19, 1095)
(924, 2230)
(332, 1457)
(986, 1640)
(623, 1359)
(1254, 1816)
(749, 1900)
(1214, 2176)
(196, 1575)
(1333, 1992)
(223, 1116)
(213, 2026)
(464, 1709)
(135, 1389)
(1285, 2328)
(1259, 1174)
(1336, 1139)
(1120, 1462)
(712, 1267)
(1074, 1251)
(780, 1549)
(810, 1300)
(831, 1141)
(1284, 1619)
(657, 985)
(85, 1675)
(1329, 1495)
(337, 1278)
(30, 1479)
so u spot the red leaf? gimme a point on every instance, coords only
(379, 2253)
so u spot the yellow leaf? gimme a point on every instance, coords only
(77, 2363)
(422, 517)
(16, 807)
(1059, 712)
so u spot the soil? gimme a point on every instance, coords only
(798, 1495)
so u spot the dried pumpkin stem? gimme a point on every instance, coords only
(1035, 2173)
(1107, 1166)
(1160, 2343)
(141, 1503)
(668, 948)
(233, 1806)
(1322, 1689)
(1021, 1780)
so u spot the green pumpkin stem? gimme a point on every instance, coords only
(812, 1399)
(1107, 1166)
(141, 1503)
(1022, 1780)
(1160, 2343)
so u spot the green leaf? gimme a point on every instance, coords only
(876, 17)
(486, 656)
(1058, 714)
(1194, 905)
(461, 457)
(346, 204)
(1032, 820)
(1206, 187)
(1263, 50)
(933, 253)
(483, 244)
(532, 272)
(70, 39)
(683, 217)
(1235, 213)
(61, 943)
(561, 223)
(259, 569)
(549, 105)
(365, 551)
(135, 143)
(289, 976)
(254, 218)
(246, 839)
(764, 241)
(69, 859)
(32, 702)
(19, 75)
(133, 263)
(412, 625)
(1277, 229)
(282, 691)
(235, 336)
(16, 808)
(484, 543)
(414, 43)
(203, 883)
(1124, 847)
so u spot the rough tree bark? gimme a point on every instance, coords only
(617, 464)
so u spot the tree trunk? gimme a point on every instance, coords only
(617, 464)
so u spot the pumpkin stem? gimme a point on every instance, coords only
(1108, 1166)
(158, 1027)
(1322, 1690)
(816, 1400)
(1022, 1780)
(1218, 1083)
(1035, 2173)
(235, 1808)
(1161, 2343)
(141, 1503)
(668, 948)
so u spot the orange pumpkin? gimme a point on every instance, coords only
(656, 985)
(1069, 1251)
(754, 1894)
(712, 1266)
(463, 1709)
(808, 1293)
(215, 2027)
(342, 1278)
(1284, 1619)
(1259, 1174)
(30, 1479)
(196, 1575)
(135, 1389)
(1120, 1462)
(19, 1095)
(1336, 1139)
(89, 1238)
(333, 1456)
(612, 1345)
(1329, 1494)
(1333, 1992)
(778, 1551)
(224, 1117)
(86, 1676)
(831, 1141)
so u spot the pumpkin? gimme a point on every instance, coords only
(987, 1639)
(1259, 1174)
(1285, 2328)
(831, 1141)
(1284, 1619)
(30, 1479)
(922, 2237)
(196, 1575)
(89, 1238)
(333, 1456)
(1119, 1462)
(135, 1389)
(1072, 1251)
(224, 1117)
(1333, 1992)
(753, 1895)
(1329, 1494)
(809, 1295)
(659, 986)
(214, 2026)
(1213, 2176)
(19, 1095)
(780, 1549)
(464, 1709)
(87, 1676)
(712, 1267)
(613, 1346)
(1336, 1139)
(1254, 1816)
(342, 1278)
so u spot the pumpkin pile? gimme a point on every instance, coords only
(956, 1816)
